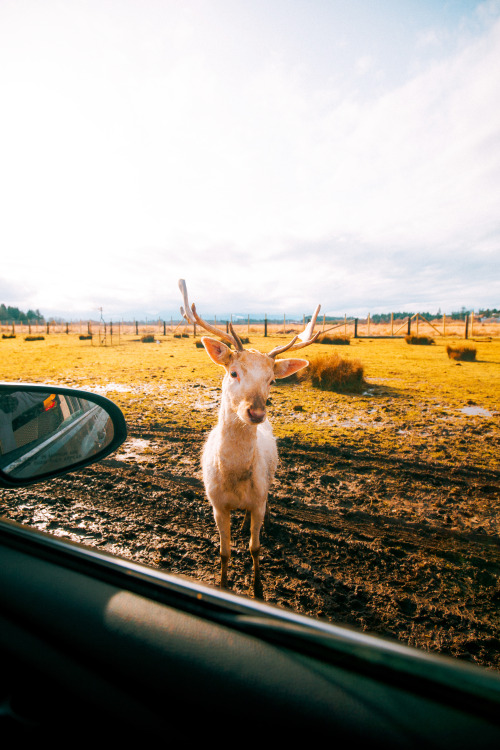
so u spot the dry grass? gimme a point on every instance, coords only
(419, 340)
(330, 372)
(462, 352)
(334, 339)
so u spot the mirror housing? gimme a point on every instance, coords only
(48, 430)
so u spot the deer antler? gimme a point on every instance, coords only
(306, 337)
(192, 317)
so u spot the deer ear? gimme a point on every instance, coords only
(285, 367)
(217, 351)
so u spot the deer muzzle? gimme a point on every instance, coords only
(256, 415)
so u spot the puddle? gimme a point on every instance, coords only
(117, 387)
(132, 449)
(476, 411)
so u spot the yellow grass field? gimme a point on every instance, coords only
(417, 400)
(385, 508)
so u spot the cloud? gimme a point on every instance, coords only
(13, 293)
(172, 150)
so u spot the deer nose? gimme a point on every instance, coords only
(257, 415)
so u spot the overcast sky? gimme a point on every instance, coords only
(274, 153)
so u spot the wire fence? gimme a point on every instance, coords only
(112, 332)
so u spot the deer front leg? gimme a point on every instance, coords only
(223, 521)
(245, 526)
(258, 591)
(257, 517)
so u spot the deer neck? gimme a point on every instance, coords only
(237, 441)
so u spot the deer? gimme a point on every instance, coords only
(239, 458)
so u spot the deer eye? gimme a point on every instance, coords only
(234, 374)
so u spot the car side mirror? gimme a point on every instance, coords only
(47, 430)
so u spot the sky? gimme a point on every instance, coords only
(276, 154)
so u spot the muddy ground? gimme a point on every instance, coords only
(394, 545)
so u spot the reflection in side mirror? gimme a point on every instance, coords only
(46, 430)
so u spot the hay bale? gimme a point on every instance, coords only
(419, 340)
(462, 352)
(331, 372)
(333, 339)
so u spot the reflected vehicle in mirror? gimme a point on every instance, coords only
(47, 430)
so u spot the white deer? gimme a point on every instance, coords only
(240, 456)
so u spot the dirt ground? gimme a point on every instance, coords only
(397, 546)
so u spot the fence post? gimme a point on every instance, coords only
(392, 324)
(265, 324)
(467, 326)
(355, 328)
(409, 325)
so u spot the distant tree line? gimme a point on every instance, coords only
(489, 313)
(15, 315)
